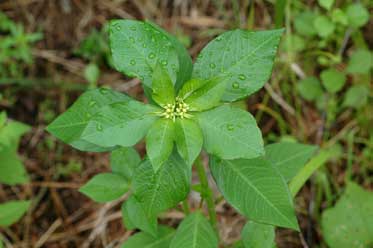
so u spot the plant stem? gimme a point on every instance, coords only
(186, 208)
(206, 192)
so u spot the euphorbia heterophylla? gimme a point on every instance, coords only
(189, 110)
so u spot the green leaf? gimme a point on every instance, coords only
(120, 124)
(289, 157)
(143, 240)
(195, 232)
(245, 56)
(310, 88)
(137, 46)
(12, 170)
(230, 133)
(105, 187)
(348, 223)
(185, 61)
(11, 212)
(357, 15)
(190, 87)
(160, 142)
(163, 89)
(338, 16)
(360, 62)
(303, 23)
(11, 132)
(69, 126)
(124, 161)
(356, 96)
(256, 235)
(333, 80)
(324, 26)
(92, 73)
(135, 215)
(188, 138)
(207, 96)
(326, 4)
(256, 189)
(161, 190)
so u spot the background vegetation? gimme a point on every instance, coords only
(320, 93)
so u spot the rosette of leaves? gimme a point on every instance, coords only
(189, 110)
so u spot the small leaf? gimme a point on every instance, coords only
(161, 190)
(356, 96)
(189, 139)
(105, 187)
(289, 157)
(12, 170)
(120, 124)
(333, 80)
(143, 240)
(348, 223)
(327, 4)
(69, 126)
(11, 212)
(207, 96)
(360, 62)
(163, 89)
(303, 23)
(256, 189)
(124, 161)
(256, 235)
(338, 16)
(244, 56)
(230, 133)
(11, 132)
(194, 232)
(310, 88)
(160, 142)
(357, 15)
(324, 26)
(135, 215)
(190, 87)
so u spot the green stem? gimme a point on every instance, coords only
(186, 208)
(206, 192)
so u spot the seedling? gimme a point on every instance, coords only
(189, 110)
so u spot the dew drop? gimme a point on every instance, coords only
(164, 62)
(118, 27)
(104, 91)
(133, 28)
(200, 56)
(212, 65)
(218, 39)
(132, 39)
(230, 127)
(235, 85)
(92, 103)
(242, 77)
(99, 127)
(132, 62)
(151, 56)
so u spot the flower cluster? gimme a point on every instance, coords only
(178, 109)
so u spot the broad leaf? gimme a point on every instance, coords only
(324, 26)
(256, 235)
(135, 215)
(195, 232)
(188, 138)
(349, 223)
(12, 170)
(256, 189)
(161, 190)
(289, 157)
(69, 126)
(231, 133)
(356, 96)
(143, 240)
(361, 62)
(310, 88)
(137, 46)
(124, 161)
(245, 56)
(163, 89)
(185, 61)
(105, 187)
(207, 96)
(120, 124)
(11, 212)
(357, 15)
(303, 23)
(160, 142)
(333, 80)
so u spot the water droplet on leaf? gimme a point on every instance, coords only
(104, 91)
(99, 127)
(132, 62)
(230, 127)
(164, 62)
(235, 85)
(92, 103)
(218, 39)
(212, 65)
(151, 56)
(242, 77)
